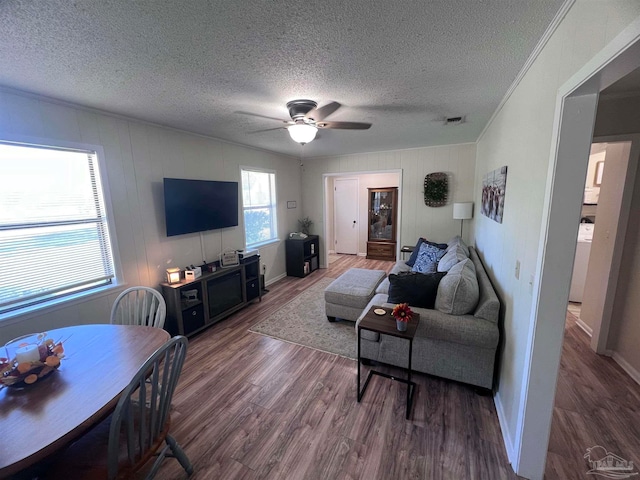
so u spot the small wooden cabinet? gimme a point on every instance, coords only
(383, 206)
(303, 255)
(196, 304)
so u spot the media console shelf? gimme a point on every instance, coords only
(197, 304)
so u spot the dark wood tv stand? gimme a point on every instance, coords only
(217, 295)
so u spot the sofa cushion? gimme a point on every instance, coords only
(400, 267)
(416, 289)
(457, 241)
(428, 258)
(383, 287)
(458, 291)
(454, 255)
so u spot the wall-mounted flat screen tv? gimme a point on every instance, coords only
(199, 205)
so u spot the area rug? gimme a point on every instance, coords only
(303, 321)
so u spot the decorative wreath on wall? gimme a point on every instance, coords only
(436, 189)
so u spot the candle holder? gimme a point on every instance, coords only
(28, 359)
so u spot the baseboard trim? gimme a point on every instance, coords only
(587, 329)
(331, 252)
(632, 372)
(362, 254)
(275, 279)
(506, 438)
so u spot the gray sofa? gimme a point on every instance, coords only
(457, 347)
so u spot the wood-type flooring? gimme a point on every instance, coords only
(252, 407)
(597, 403)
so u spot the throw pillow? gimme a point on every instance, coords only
(416, 250)
(416, 289)
(457, 241)
(414, 254)
(453, 256)
(458, 291)
(428, 258)
(442, 246)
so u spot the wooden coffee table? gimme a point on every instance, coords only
(386, 325)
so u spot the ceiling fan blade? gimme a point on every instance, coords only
(344, 125)
(267, 130)
(263, 116)
(323, 112)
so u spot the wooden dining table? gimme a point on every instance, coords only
(100, 361)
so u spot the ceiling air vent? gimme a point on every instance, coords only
(453, 120)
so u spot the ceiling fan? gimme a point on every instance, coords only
(307, 118)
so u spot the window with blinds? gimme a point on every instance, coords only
(259, 206)
(54, 237)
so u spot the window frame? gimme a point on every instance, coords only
(274, 207)
(66, 301)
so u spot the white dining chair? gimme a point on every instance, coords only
(139, 306)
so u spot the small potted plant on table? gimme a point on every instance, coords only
(403, 315)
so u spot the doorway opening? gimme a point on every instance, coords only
(346, 210)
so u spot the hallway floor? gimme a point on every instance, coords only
(597, 403)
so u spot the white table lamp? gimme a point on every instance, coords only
(462, 212)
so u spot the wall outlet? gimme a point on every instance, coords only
(518, 269)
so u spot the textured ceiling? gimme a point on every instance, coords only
(402, 66)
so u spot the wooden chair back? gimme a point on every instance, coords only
(139, 306)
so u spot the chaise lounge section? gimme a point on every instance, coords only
(349, 294)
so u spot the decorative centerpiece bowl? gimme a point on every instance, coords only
(29, 359)
(403, 315)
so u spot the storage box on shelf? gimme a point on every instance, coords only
(303, 255)
(193, 305)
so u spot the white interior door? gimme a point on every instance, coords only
(345, 204)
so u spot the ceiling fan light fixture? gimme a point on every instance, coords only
(302, 132)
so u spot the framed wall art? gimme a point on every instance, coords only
(494, 185)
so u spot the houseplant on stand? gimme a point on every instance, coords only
(305, 225)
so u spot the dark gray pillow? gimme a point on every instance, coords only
(416, 289)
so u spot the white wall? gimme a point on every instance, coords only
(624, 335)
(137, 157)
(520, 136)
(365, 181)
(416, 218)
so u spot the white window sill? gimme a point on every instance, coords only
(263, 244)
(32, 311)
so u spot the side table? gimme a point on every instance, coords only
(406, 249)
(386, 324)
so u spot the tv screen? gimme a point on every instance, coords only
(199, 205)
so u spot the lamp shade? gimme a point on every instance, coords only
(463, 211)
(302, 133)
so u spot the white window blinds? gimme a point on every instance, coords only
(259, 207)
(54, 238)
